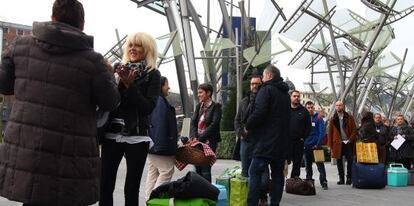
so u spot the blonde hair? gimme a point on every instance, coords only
(149, 45)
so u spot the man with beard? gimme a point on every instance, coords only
(300, 125)
(314, 141)
(245, 109)
(342, 134)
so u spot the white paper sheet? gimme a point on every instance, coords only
(396, 143)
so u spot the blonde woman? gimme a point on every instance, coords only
(127, 127)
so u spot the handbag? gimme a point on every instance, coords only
(299, 186)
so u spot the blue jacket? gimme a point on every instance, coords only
(163, 128)
(317, 133)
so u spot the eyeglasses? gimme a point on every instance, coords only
(255, 83)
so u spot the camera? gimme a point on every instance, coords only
(139, 67)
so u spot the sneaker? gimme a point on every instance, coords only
(324, 186)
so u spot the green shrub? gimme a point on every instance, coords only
(229, 111)
(226, 146)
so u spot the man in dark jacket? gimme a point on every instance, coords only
(404, 153)
(246, 149)
(383, 131)
(50, 153)
(300, 125)
(245, 109)
(268, 126)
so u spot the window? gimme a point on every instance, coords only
(19, 32)
(5, 30)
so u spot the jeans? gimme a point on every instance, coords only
(348, 152)
(309, 159)
(256, 171)
(246, 152)
(112, 153)
(205, 171)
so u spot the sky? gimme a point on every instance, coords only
(102, 17)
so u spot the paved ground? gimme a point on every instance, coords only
(343, 195)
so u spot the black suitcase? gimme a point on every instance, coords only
(368, 176)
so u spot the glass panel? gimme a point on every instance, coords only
(218, 44)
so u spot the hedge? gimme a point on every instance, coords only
(227, 144)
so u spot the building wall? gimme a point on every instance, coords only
(9, 32)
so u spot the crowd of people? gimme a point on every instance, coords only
(50, 153)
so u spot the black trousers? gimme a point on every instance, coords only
(348, 152)
(205, 171)
(112, 153)
(296, 156)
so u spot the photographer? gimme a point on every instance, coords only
(127, 126)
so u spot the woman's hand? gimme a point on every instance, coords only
(127, 76)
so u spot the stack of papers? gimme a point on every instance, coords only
(397, 142)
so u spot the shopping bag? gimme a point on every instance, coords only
(367, 152)
(318, 155)
(238, 191)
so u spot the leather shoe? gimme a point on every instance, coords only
(348, 181)
(340, 182)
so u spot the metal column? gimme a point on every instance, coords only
(179, 65)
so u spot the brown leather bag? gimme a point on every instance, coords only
(300, 187)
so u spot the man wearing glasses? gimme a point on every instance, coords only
(245, 109)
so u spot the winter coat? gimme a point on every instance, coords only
(163, 128)
(243, 113)
(368, 133)
(405, 151)
(50, 155)
(317, 133)
(269, 122)
(137, 103)
(334, 133)
(383, 131)
(212, 121)
(300, 124)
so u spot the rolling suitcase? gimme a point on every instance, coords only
(368, 176)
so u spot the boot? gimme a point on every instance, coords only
(341, 181)
(348, 181)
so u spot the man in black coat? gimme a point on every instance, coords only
(246, 147)
(245, 109)
(300, 125)
(269, 127)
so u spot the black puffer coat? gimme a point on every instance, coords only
(50, 155)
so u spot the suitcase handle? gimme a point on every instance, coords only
(396, 165)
